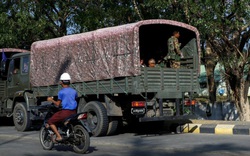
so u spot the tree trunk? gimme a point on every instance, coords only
(242, 105)
(238, 86)
(211, 81)
(210, 64)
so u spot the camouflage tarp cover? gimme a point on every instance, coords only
(102, 54)
(13, 50)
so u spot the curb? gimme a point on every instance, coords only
(229, 129)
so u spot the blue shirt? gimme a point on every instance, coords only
(68, 97)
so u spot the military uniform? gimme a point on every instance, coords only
(174, 52)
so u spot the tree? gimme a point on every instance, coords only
(95, 14)
(226, 25)
(20, 25)
(231, 44)
(23, 22)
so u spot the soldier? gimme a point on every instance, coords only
(174, 52)
(142, 63)
(151, 63)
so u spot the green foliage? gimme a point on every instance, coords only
(26, 21)
(6, 31)
(96, 14)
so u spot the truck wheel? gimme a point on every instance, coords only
(113, 125)
(21, 117)
(97, 118)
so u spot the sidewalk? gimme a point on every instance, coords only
(215, 127)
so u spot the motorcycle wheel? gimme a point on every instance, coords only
(45, 139)
(82, 140)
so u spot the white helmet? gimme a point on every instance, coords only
(65, 76)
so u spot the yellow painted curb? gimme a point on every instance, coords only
(224, 129)
(191, 128)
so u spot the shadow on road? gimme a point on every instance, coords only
(63, 148)
(153, 128)
(4, 121)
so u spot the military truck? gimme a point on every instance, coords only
(105, 69)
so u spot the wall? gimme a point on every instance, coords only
(219, 111)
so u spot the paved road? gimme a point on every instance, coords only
(130, 144)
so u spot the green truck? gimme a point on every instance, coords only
(105, 68)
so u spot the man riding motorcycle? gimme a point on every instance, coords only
(67, 100)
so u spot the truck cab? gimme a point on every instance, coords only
(18, 74)
(15, 87)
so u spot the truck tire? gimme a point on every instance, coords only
(97, 118)
(113, 125)
(21, 117)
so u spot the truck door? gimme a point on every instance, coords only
(18, 79)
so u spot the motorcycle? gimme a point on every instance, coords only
(74, 130)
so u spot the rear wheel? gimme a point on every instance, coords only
(82, 140)
(21, 117)
(97, 118)
(45, 139)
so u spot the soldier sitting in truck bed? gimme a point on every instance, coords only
(151, 63)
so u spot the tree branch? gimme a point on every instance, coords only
(245, 37)
(137, 10)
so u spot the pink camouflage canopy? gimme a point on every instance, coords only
(101, 54)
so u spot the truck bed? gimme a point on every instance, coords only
(166, 82)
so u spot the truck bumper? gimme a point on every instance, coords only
(168, 118)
